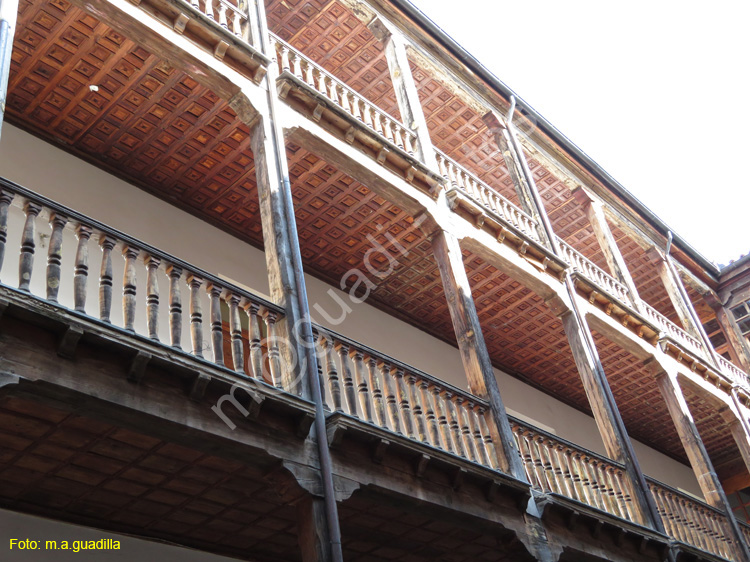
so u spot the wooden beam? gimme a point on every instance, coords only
(737, 345)
(611, 427)
(471, 344)
(739, 433)
(412, 114)
(671, 284)
(312, 534)
(708, 481)
(607, 243)
(277, 248)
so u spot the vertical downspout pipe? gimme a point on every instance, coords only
(306, 335)
(653, 514)
(8, 15)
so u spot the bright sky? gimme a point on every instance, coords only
(656, 92)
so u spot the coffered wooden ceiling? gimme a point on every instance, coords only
(327, 32)
(161, 130)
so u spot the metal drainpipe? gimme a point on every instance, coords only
(8, 15)
(329, 493)
(652, 514)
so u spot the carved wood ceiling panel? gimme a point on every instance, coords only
(89, 472)
(146, 122)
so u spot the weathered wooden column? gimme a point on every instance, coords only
(502, 135)
(8, 14)
(684, 423)
(322, 534)
(407, 96)
(474, 354)
(277, 249)
(607, 243)
(679, 298)
(739, 433)
(603, 405)
(737, 345)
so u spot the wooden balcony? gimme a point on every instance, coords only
(368, 394)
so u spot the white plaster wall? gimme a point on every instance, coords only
(48, 170)
(21, 526)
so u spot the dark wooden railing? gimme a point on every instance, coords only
(378, 389)
(163, 298)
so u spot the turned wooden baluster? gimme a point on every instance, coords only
(489, 445)
(175, 305)
(274, 356)
(446, 442)
(309, 77)
(523, 449)
(476, 433)
(345, 103)
(28, 244)
(5, 200)
(403, 402)
(348, 380)
(607, 478)
(223, 15)
(416, 408)
(376, 388)
(390, 396)
(214, 311)
(129, 287)
(363, 392)
(256, 350)
(334, 385)
(209, 5)
(54, 255)
(297, 66)
(235, 328)
(322, 83)
(152, 296)
(455, 429)
(433, 432)
(81, 268)
(195, 4)
(107, 244)
(196, 314)
(367, 116)
(466, 437)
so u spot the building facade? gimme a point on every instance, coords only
(303, 281)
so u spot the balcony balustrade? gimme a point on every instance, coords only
(488, 199)
(360, 382)
(252, 352)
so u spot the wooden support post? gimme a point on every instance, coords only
(739, 433)
(407, 96)
(611, 427)
(474, 354)
(610, 249)
(277, 247)
(502, 135)
(708, 481)
(737, 344)
(311, 530)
